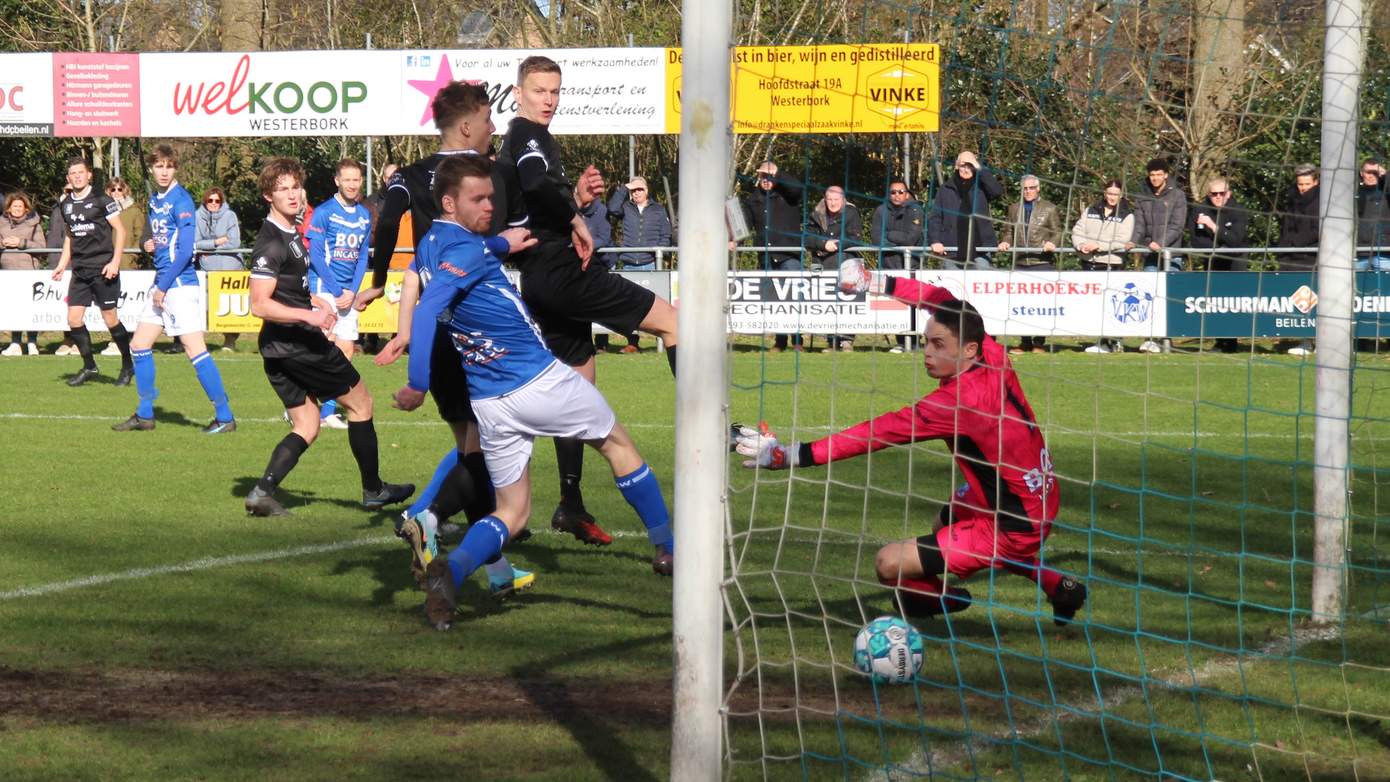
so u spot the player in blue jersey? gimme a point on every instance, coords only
(176, 304)
(463, 114)
(339, 240)
(520, 391)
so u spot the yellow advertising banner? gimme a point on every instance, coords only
(839, 88)
(229, 305)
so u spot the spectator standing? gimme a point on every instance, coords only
(645, 223)
(901, 222)
(1033, 222)
(1373, 218)
(832, 226)
(305, 218)
(219, 230)
(20, 230)
(1160, 214)
(132, 217)
(1102, 235)
(773, 210)
(1298, 227)
(960, 214)
(1220, 221)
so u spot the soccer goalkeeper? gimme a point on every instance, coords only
(1003, 511)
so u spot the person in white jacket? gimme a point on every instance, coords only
(1100, 235)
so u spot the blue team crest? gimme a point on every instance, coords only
(1131, 305)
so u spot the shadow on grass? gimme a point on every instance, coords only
(599, 738)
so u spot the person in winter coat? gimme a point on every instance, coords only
(132, 217)
(218, 230)
(773, 212)
(899, 223)
(1160, 215)
(1373, 218)
(1102, 235)
(1298, 225)
(20, 230)
(1220, 221)
(833, 225)
(645, 223)
(960, 214)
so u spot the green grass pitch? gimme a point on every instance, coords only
(150, 630)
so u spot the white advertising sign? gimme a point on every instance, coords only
(34, 301)
(26, 94)
(1062, 304)
(787, 302)
(604, 90)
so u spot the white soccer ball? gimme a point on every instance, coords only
(889, 650)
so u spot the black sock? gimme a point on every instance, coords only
(362, 440)
(282, 460)
(121, 337)
(569, 457)
(671, 359)
(484, 498)
(83, 341)
(456, 493)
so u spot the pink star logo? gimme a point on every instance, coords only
(431, 87)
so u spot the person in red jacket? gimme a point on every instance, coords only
(1003, 510)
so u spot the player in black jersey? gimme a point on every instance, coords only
(92, 242)
(564, 293)
(303, 366)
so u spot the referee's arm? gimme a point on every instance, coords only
(384, 243)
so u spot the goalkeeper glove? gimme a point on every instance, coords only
(856, 278)
(761, 444)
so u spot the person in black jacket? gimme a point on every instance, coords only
(1298, 225)
(1372, 218)
(773, 211)
(897, 223)
(960, 214)
(1220, 221)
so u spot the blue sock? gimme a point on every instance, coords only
(484, 541)
(144, 381)
(643, 492)
(212, 384)
(441, 472)
(329, 408)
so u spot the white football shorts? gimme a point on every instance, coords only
(557, 403)
(346, 326)
(185, 310)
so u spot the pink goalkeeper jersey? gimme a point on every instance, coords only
(983, 417)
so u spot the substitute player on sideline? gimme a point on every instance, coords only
(92, 243)
(175, 304)
(460, 482)
(520, 390)
(566, 294)
(300, 363)
(338, 248)
(1000, 516)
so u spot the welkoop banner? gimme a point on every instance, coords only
(879, 88)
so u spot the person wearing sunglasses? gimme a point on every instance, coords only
(219, 231)
(901, 222)
(132, 217)
(1220, 221)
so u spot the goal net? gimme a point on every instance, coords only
(1185, 474)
